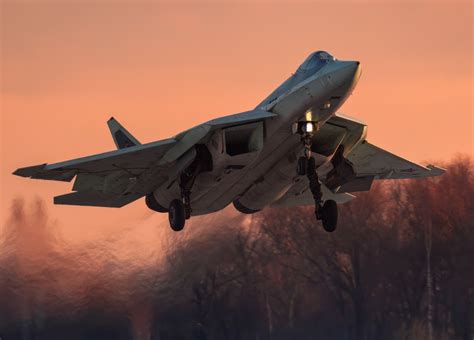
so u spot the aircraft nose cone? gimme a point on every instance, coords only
(347, 73)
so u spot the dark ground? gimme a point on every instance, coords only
(400, 266)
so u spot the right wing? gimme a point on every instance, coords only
(110, 179)
(116, 178)
(134, 159)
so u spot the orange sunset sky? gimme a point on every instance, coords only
(160, 68)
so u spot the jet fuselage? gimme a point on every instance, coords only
(316, 90)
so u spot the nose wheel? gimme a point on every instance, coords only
(328, 215)
(326, 212)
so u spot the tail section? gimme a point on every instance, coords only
(122, 138)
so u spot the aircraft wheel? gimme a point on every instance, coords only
(302, 166)
(177, 215)
(311, 167)
(329, 215)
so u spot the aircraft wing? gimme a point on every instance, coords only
(110, 179)
(367, 161)
(300, 195)
(134, 159)
(370, 160)
(116, 178)
(370, 163)
(364, 162)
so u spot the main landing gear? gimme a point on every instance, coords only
(176, 211)
(180, 209)
(326, 212)
(177, 215)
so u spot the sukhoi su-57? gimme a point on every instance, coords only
(292, 149)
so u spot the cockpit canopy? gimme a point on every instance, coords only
(316, 61)
(313, 63)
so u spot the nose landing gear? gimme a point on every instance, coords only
(326, 212)
(328, 215)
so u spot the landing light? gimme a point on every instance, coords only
(304, 127)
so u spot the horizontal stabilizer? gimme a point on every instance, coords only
(96, 199)
(122, 138)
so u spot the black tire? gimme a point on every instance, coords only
(177, 215)
(329, 216)
(311, 168)
(152, 204)
(302, 166)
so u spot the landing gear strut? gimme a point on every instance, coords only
(180, 209)
(326, 212)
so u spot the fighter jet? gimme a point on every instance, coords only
(293, 149)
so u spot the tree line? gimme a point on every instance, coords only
(399, 266)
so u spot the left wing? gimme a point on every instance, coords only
(360, 162)
(363, 163)
(370, 160)
(300, 195)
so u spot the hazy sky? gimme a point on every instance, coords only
(66, 67)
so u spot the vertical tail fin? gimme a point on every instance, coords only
(122, 138)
